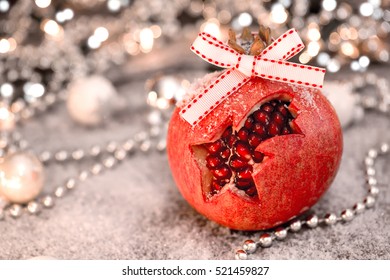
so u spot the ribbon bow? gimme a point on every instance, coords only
(271, 64)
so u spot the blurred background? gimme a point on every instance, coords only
(47, 43)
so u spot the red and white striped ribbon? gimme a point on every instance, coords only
(271, 64)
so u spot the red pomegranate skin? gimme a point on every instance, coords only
(296, 171)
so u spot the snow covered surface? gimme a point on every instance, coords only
(136, 212)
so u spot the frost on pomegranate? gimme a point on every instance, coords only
(229, 161)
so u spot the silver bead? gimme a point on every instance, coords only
(33, 207)
(370, 171)
(369, 201)
(372, 153)
(280, 233)
(59, 191)
(96, 169)
(49, 99)
(140, 136)
(330, 219)
(70, 184)
(120, 154)
(241, 255)
(128, 146)
(15, 210)
(312, 221)
(347, 215)
(48, 201)
(78, 154)
(374, 191)
(95, 151)
(83, 175)
(371, 181)
(27, 113)
(359, 208)
(111, 146)
(249, 246)
(385, 148)
(16, 136)
(265, 240)
(296, 226)
(369, 161)
(161, 145)
(145, 146)
(23, 144)
(61, 156)
(155, 131)
(45, 156)
(109, 162)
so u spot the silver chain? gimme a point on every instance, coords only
(105, 157)
(346, 215)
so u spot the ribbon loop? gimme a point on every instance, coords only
(271, 64)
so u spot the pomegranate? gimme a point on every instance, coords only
(263, 156)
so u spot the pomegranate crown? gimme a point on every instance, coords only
(248, 43)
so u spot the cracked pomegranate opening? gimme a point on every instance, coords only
(230, 159)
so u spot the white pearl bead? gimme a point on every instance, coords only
(91, 100)
(21, 177)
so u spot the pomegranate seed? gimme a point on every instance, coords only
(257, 156)
(259, 129)
(230, 140)
(225, 153)
(215, 147)
(243, 134)
(242, 150)
(282, 109)
(233, 150)
(227, 132)
(244, 184)
(251, 191)
(267, 107)
(245, 174)
(278, 118)
(216, 186)
(213, 161)
(261, 117)
(237, 163)
(222, 172)
(286, 130)
(273, 130)
(249, 122)
(254, 140)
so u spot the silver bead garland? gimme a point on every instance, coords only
(328, 219)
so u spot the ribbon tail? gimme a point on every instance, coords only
(287, 72)
(226, 84)
(284, 47)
